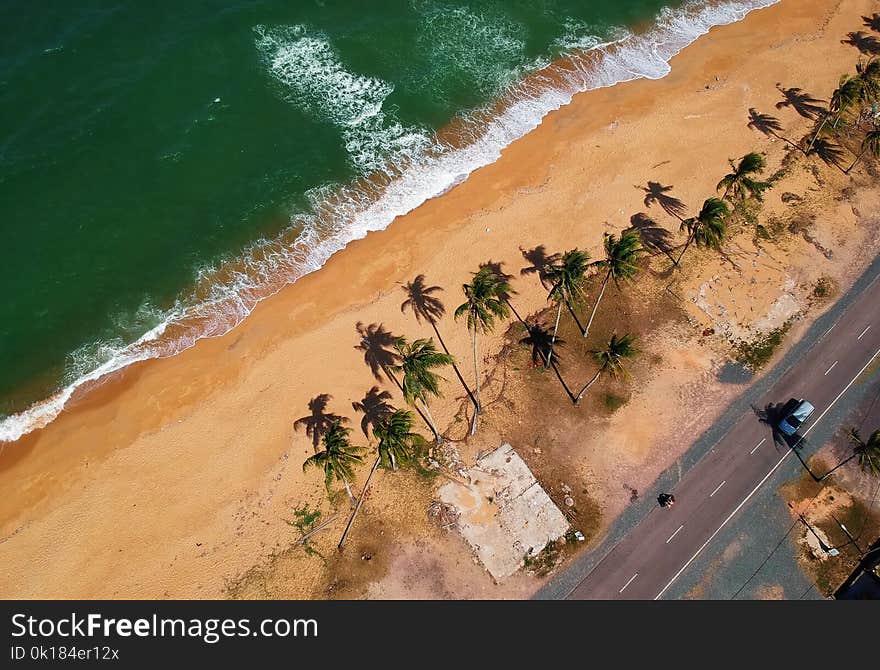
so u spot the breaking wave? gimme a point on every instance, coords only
(405, 166)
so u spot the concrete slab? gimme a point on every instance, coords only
(504, 514)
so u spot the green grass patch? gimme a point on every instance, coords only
(756, 354)
(613, 401)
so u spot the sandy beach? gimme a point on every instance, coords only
(175, 478)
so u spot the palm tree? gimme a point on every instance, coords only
(868, 452)
(337, 458)
(377, 343)
(484, 303)
(620, 262)
(769, 125)
(870, 143)
(567, 278)
(610, 360)
(539, 339)
(374, 406)
(417, 362)
(657, 192)
(869, 74)
(397, 443)
(800, 101)
(740, 181)
(848, 93)
(706, 229)
(424, 306)
(318, 421)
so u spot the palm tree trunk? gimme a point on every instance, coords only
(789, 142)
(390, 374)
(430, 419)
(454, 365)
(816, 136)
(586, 386)
(360, 502)
(555, 328)
(348, 489)
(598, 300)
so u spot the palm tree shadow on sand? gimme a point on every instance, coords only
(318, 421)
(801, 102)
(655, 238)
(377, 344)
(375, 408)
(657, 193)
(540, 339)
(540, 263)
(866, 44)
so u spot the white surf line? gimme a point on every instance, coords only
(831, 368)
(758, 445)
(674, 534)
(864, 331)
(628, 583)
(766, 477)
(718, 488)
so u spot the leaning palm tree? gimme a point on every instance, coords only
(868, 452)
(418, 360)
(485, 301)
(610, 360)
(706, 229)
(769, 125)
(337, 458)
(420, 300)
(869, 74)
(318, 420)
(567, 278)
(397, 443)
(870, 143)
(620, 262)
(847, 95)
(740, 182)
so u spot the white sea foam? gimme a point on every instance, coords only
(312, 76)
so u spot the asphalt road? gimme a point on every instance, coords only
(650, 557)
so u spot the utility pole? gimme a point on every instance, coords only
(849, 536)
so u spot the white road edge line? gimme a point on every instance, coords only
(628, 583)
(864, 331)
(718, 488)
(766, 477)
(674, 534)
(758, 445)
(830, 369)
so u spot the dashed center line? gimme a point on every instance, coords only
(758, 445)
(718, 488)
(831, 368)
(867, 328)
(674, 534)
(628, 583)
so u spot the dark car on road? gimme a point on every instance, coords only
(797, 412)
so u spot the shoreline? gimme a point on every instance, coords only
(469, 142)
(206, 432)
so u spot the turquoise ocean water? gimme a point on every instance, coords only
(165, 165)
